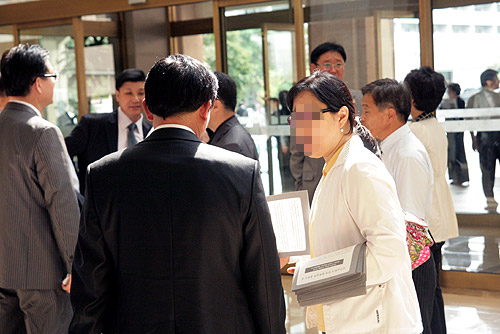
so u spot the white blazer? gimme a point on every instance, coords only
(443, 220)
(356, 202)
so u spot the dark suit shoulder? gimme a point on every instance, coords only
(95, 117)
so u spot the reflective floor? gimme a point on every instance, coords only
(467, 311)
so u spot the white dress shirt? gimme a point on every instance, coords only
(409, 164)
(123, 123)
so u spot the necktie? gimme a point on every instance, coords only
(131, 136)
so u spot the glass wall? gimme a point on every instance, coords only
(381, 38)
(59, 42)
(466, 44)
(102, 61)
(259, 55)
(6, 38)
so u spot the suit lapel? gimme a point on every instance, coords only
(112, 131)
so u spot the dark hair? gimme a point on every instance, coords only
(227, 90)
(178, 84)
(454, 87)
(326, 47)
(488, 75)
(130, 74)
(427, 88)
(390, 93)
(334, 93)
(20, 66)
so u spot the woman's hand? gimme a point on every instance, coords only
(284, 261)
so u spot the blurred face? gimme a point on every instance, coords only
(452, 94)
(129, 97)
(374, 118)
(331, 62)
(317, 134)
(492, 84)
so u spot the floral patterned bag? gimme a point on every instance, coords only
(418, 239)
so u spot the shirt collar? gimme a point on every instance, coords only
(394, 137)
(332, 160)
(28, 105)
(176, 126)
(124, 121)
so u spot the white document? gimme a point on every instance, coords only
(325, 266)
(290, 218)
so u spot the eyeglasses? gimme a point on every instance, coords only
(327, 66)
(308, 115)
(49, 75)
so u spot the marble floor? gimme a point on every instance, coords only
(467, 311)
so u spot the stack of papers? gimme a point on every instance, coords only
(333, 276)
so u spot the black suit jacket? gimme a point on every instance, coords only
(95, 136)
(232, 136)
(176, 237)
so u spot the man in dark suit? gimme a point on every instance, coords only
(176, 235)
(224, 129)
(98, 135)
(38, 208)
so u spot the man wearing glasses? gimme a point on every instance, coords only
(331, 58)
(38, 207)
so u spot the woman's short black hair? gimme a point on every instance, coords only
(427, 88)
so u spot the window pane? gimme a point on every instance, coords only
(59, 42)
(462, 55)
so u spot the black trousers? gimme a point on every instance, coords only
(457, 161)
(438, 324)
(489, 152)
(424, 279)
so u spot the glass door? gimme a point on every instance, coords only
(58, 40)
(259, 54)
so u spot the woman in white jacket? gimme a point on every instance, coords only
(355, 201)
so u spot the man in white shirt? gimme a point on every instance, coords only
(97, 135)
(386, 107)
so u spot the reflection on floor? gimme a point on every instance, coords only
(467, 311)
(476, 249)
(472, 254)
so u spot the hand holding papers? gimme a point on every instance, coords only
(326, 278)
(290, 218)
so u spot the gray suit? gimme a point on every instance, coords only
(38, 208)
(488, 142)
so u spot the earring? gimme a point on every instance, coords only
(342, 130)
